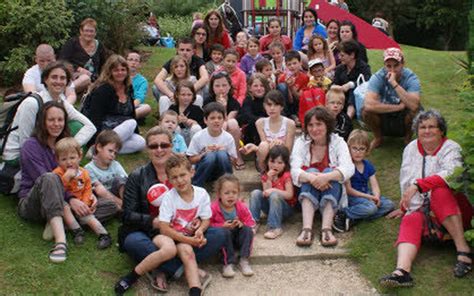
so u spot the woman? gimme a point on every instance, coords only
(200, 36)
(348, 72)
(216, 30)
(309, 26)
(427, 162)
(140, 221)
(320, 164)
(347, 31)
(332, 28)
(55, 77)
(110, 104)
(274, 34)
(85, 53)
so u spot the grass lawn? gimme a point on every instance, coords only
(24, 267)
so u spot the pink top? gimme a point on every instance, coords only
(239, 81)
(243, 213)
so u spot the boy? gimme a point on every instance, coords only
(335, 103)
(212, 149)
(169, 121)
(77, 182)
(107, 175)
(140, 85)
(291, 82)
(364, 203)
(217, 54)
(318, 79)
(265, 67)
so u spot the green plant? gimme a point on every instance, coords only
(176, 26)
(181, 8)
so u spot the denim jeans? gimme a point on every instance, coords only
(290, 108)
(275, 206)
(240, 238)
(362, 208)
(321, 198)
(211, 166)
(138, 245)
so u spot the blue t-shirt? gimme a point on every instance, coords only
(106, 177)
(179, 144)
(360, 181)
(140, 87)
(229, 216)
(379, 84)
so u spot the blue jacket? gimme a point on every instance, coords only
(298, 41)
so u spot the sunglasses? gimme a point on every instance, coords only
(161, 145)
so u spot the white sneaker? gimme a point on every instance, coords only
(244, 266)
(228, 271)
(48, 232)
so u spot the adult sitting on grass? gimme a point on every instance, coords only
(42, 195)
(427, 200)
(392, 99)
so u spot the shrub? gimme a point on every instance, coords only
(181, 8)
(25, 24)
(176, 26)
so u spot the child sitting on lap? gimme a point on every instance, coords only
(335, 103)
(364, 202)
(77, 182)
(169, 121)
(229, 212)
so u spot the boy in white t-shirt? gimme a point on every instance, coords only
(212, 149)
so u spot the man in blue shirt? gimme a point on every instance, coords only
(392, 99)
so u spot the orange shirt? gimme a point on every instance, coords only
(80, 186)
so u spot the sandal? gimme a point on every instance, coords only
(240, 166)
(58, 257)
(153, 276)
(325, 238)
(394, 280)
(307, 238)
(461, 268)
(205, 281)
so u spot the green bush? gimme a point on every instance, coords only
(182, 7)
(23, 25)
(176, 26)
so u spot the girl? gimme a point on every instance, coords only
(247, 64)
(348, 31)
(216, 30)
(179, 69)
(277, 51)
(333, 38)
(229, 212)
(190, 117)
(220, 91)
(236, 75)
(319, 49)
(274, 35)
(277, 199)
(273, 130)
(252, 108)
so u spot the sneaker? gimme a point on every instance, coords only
(255, 228)
(394, 280)
(48, 232)
(104, 241)
(273, 233)
(245, 268)
(228, 271)
(341, 222)
(78, 235)
(121, 286)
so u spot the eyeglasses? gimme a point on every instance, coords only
(201, 34)
(358, 149)
(160, 145)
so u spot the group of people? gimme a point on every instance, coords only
(218, 100)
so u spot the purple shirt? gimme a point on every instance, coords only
(247, 63)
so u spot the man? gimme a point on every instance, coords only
(392, 99)
(44, 55)
(185, 48)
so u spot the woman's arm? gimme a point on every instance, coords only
(332, 62)
(87, 130)
(132, 212)
(261, 133)
(298, 41)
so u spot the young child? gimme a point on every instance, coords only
(216, 53)
(265, 67)
(197, 19)
(277, 51)
(273, 130)
(364, 202)
(239, 80)
(248, 61)
(335, 103)
(319, 49)
(190, 116)
(212, 149)
(291, 82)
(169, 121)
(315, 94)
(241, 40)
(140, 85)
(277, 199)
(77, 182)
(229, 212)
(318, 78)
(107, 175)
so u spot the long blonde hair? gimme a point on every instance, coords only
(112, 62)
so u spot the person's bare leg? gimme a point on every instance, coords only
(307, 210)
(167, 250)
(57, 227)
(81, 83)
(234, 130)
(453, 225)
(327, 220)
(191, 271)
(69, 218)
(262, 152)
(373, 121)
(406, 254)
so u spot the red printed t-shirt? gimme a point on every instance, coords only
(301, 80)
(279, 183)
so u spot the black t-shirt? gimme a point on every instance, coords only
(232, 104)
(196, 63)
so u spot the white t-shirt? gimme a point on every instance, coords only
(180, 214)
(202, 139)
(33, 77)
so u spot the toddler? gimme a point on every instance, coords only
(364, 202)
(216, 53)
(335, 103)
(277, 199)
(77, 183)
(229, 212)
(169, 121)
(248, 61)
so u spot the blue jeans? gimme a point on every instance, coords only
(290, 108)
(211, 166)
(362, 208)
(138, 245)
(240, 238)
(275, 206)
(318, 198)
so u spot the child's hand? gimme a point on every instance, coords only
(290, 81)
(69, 174)
(222, 99)
(272, 173)
(267, 192)
(229, 224)
(237, 223)
(182, 119)
(93, 206)
(195, 224)
(276, 142)
(376, 200)
(248, 148)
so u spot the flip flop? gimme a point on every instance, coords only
(152, 276)
(307, 238)
(205, 281)
(325, 239)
